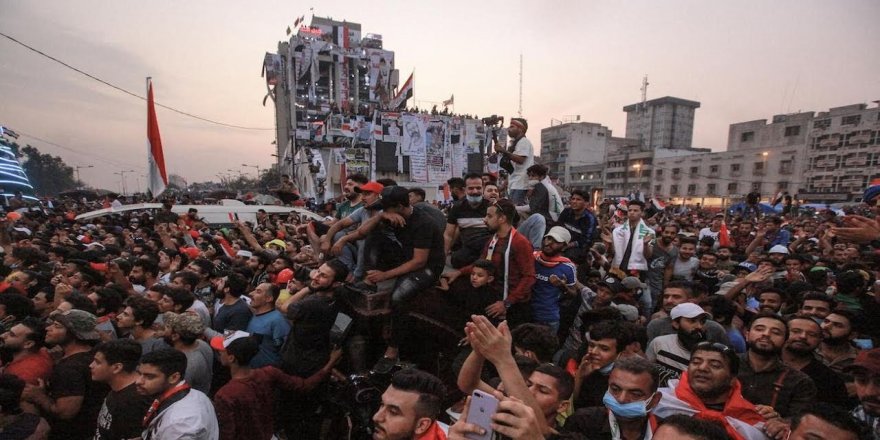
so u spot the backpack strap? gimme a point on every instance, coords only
(777, 387)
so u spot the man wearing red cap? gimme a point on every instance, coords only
(522, 155)
(866, 372)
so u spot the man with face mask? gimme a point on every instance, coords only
(466, 232)
(628, 404)
(674, 351)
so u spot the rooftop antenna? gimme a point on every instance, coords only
(519, 111)
(644, 92)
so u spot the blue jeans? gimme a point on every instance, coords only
(533, 229)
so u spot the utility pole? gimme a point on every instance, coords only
(79, 167)
(121, 174)
(519, 111)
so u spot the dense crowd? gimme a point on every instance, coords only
(510, 311)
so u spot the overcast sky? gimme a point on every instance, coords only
(742, 60)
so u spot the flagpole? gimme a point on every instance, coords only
(149, 145)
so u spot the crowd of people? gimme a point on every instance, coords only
(617, 321)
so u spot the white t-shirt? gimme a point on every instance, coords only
(518, 179)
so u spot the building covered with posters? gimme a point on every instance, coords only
(341, 109)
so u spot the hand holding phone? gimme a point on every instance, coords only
(482, 406)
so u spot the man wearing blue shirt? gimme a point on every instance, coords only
(554, 275)
(268, 325)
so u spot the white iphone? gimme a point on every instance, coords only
(483, 405)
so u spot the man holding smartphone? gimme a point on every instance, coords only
(410, 407)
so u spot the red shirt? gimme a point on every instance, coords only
(31, 367)
(521, 275)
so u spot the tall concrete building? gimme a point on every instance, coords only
(788, 130)
(843, 153)
(573, 144)
(666, 122)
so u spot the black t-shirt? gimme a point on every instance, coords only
(469, 220)
(308, 343)
(122, 414)
(72, 377)
(421, 232)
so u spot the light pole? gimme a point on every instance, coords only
(79, 167)
(253, 166)
(121, 174)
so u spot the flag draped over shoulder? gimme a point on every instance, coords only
(155, 156)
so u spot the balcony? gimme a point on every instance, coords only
(736, 173)
(861, 138)
(826, 163)
(858, 161)
(830, 142)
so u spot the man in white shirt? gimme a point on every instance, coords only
(522, 154)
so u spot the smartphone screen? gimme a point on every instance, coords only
(483, 405)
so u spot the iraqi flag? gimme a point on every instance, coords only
(403, 94)
(155, 156)
(658, 204)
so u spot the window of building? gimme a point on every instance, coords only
(658, 189)
(692, 189)
(783, 186)
(713, 169)
(673, 190)
(756, 186)
(851, 120)
(793, 130)
(710, 189)
(786, 167)
(563, 145)
(759, 168)
(822, 124)
(695, 171)
(747, 136)
(731, 188)
(659, 173)
(676, 172)
(734, 167)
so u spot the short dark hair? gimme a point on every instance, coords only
(386, 182)
(636, 202)
(148, 265)
(855, 318)
(205, 266)
(274, 290)
(564, 379)
(640, 365)
(81, 302)
(687, 240)
(537, 338)
(507, 209)
(699, 429)
(456, 182)
(725, 352)
(430, 389)
(38, 331)
(189, 278)
(772, 316)
(819, 296)
(11, 387)
(109, 300)
(834, 415)
(470, 176)
(358, 178)
(493, 180)
(181, 297)
(17, 305)
(687, 286)
(143, 310)
(167, 360)
(580, 193)
(263, 257)
(419, 192)
(237, 284)
(612, 330)
(487, 266)
(243, 350)
(538, 170)
(121, 351)
(340, 270)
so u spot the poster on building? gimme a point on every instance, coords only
(418, 171)
(357, 161)
(339, 156)
(471, 142)
(391, 127)
(438, 152)
(459, 160)
(363, 130)
(381, 63)
(272, 68)
(413, 135)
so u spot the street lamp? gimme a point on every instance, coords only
(79, 167)
(253, 166)
(121, 174)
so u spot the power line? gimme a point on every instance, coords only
(127, 92)
(72, 150)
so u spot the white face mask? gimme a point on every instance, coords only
(532, 183)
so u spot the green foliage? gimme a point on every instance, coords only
(48, 174)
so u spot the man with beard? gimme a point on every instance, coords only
(71, 400)
(23, 353)
(465, 226)
(674, 351)
(311, 312)
(724, 262)
(628, 404)
(674, 294)
(353, 197)
(663, 253)
(839, 329)
(554, 278)
(683, 267)
(143, 274)
(344, 246)
(804, 335)
(817, 305)
(709, 389)
(178, 412)
(766, 380)
(771, 300)
(409, 407)
(866, 371)
(231, 311)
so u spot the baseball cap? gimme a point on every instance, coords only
(373, 187)
(394, 196)
(276, 242)
(867, 360)
(687, 310)
(220, 343)
(629, 313)
(80, 323)
(632, 283)
(560, 234)
(778, 249)
(751, 267)
(612, 284)
(243, 253)
(186, 324)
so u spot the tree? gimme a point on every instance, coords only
(48, 174)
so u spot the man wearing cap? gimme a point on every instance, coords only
(554, 278)
(466, 232)
(339, 240)
(245, 405)
(636, 294)
(71, 400)
(866, 372)
(183, 332)
(674, 351)
(676, 293)
(521, 154)
(353, 198)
